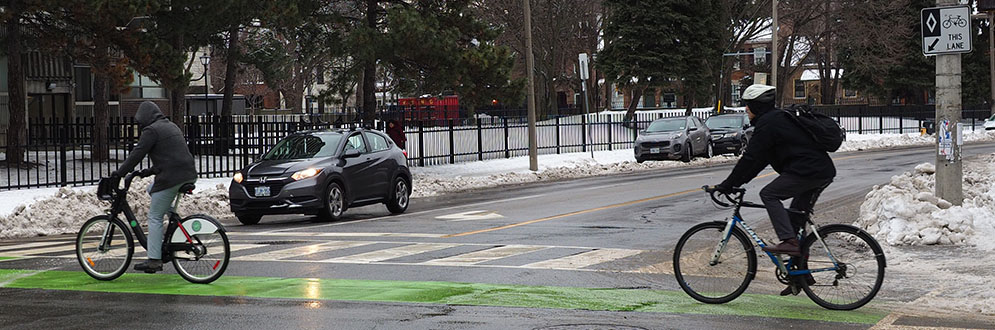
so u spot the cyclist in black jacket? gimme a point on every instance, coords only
(804, 168)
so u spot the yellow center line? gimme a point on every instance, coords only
(601, 208)
(574, 213)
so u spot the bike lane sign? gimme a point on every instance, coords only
(946, 30)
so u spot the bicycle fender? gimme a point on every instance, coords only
(193, 227)
(874, 242)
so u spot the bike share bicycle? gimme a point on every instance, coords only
(197, 245)
(845, 262)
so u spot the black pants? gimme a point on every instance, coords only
(803, 191)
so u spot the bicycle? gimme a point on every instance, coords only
(197, 245)
(954, 20)
(847, 276)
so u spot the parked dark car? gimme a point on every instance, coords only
(730, 133)
(322, 173)
(673, 138)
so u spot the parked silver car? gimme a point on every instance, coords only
(673, 138)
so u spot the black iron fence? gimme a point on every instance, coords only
(61, 152)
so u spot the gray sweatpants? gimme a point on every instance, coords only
(803, 193)
(160, 202)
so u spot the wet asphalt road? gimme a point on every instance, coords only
(638, 217)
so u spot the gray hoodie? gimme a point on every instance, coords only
(163, 142)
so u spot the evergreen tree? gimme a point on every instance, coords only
(652, 43)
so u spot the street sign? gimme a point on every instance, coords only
(582, 60)
(946, 30)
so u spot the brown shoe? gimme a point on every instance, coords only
(788, 246)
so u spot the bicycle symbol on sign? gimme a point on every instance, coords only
(954, 20)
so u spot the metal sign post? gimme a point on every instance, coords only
(582, 66)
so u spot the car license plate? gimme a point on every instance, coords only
(654, 150)
(262, 191)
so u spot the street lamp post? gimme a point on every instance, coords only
(206, 61)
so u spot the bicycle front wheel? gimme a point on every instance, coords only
(205, 258)
(857, 275)
(719, 282)
(104, 248)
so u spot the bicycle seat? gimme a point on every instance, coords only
(187, 188)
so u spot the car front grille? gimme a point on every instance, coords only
(663, 144)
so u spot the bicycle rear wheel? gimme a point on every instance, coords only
(206, 259)
(719, 283)
(860, 272)
(104, 248)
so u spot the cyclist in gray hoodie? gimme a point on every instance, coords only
(173, 166)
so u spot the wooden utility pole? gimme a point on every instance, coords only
(530, 67)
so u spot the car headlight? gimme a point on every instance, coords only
(238, 177)
(304, 174)
(731, 135)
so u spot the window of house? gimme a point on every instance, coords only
(735, 93)
(849, 92)
(143, 87)
(84, 83)
(320, 75)
(649, 100)
(735, 64)
(799, 89)
(669, 100)
(760, 55)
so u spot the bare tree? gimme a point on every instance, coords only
(561, 30)
(818, 32)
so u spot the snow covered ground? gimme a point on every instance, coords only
(60, 210)
(933, 244)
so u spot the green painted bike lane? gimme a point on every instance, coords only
(450, 293)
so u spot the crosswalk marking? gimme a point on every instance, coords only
(315, 234)
(51, 249)
(26, 245)
(391, 253)
(577, 262)
(485, 255)
(302, 250)
(585, 259)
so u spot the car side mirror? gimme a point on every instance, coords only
(351, 153)
(745, 126)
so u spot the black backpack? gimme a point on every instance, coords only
(826, 132)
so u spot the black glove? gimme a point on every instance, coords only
(115, 175)
(724, 188)
(146, 172)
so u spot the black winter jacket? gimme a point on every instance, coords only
(163, 142)
(779, 141)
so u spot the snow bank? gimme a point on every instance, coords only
(857, 142)
(905, 211)
(66, 210)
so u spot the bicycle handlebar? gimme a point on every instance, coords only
(732, 198)
(131, 176)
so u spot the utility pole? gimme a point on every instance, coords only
(949, 169)
(530, 67)
(773, 48)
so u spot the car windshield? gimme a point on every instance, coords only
(992, 118)
(667, 125)
(304, 146)
(724, 122)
